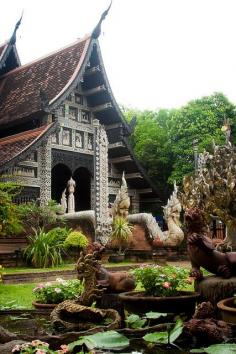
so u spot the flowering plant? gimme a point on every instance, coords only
(162, 281)
(57, 291)
(38, 347)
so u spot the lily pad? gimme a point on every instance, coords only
(154, 315)
(227, 348)
(165, 337)
(102, 340)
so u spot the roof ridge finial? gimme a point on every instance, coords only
(12, 40)
(97, 30)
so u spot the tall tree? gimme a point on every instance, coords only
(163, 140)
(199, 120)
(150, 140)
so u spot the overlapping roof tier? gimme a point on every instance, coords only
(22, 144)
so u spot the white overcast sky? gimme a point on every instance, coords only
(157, 53)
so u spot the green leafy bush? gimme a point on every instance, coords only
(10, 222)
(44, 250)
(35, 216)
(162, 281)
(58, 291)
(58, 234)
(76, 239)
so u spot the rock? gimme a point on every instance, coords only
(7, 347)
(208, 330)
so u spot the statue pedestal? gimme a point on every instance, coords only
(214, 288)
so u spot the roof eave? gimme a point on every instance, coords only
(32, 146)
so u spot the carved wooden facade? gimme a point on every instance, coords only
(58, 119)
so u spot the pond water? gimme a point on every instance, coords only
(26, 322)
(34, 323)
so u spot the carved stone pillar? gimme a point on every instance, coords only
(44, 170)
(101, 183)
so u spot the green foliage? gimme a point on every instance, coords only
(10, 223)
(76, 239)
(135, 321)
(226, 348)
(102, 340)
(43, 250)
(59, 234)
(58, 291)
(163, 140)
(35, 216)
(161, 281)
(121, 232)
(166, 337)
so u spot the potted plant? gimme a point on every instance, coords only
(120, 237)
(227, 308)
(49, 294)
(162, 291)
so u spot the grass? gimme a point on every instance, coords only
(17, 295)
(62, 267)
(37, 270)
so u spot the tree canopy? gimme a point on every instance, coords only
(163, 140)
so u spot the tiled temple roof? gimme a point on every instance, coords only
(11, 147)
(22, 89)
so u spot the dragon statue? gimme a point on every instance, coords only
(174, 235)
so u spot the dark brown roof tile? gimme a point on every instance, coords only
(20, 88)
(13, 145)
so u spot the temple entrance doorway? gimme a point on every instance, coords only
(82, 179)
(60, 176)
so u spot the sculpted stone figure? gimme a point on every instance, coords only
(201, 250)
(114, 282)
(71, 198)
(122, 201)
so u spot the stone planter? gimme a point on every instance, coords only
(138, 302)
(41, 306)
(227, 310)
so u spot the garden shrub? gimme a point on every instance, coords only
(35, 216)
(76, 239)
(59, 234)
(10, 223)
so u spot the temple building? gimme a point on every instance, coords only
(59, 119)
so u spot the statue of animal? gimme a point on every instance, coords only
(87, 268)
(201, 250)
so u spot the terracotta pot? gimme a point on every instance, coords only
(39, 305)
(138, 302)
(227, 310)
